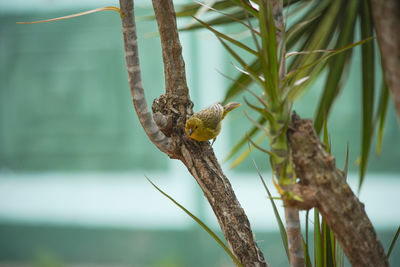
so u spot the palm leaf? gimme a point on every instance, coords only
(246, 153)
(241, 82)
(198, 221)
(191, 9)
(381, 115)
(226, 37)
(244, 140)
(282, 229)
(318, 252)
(368, 87)
(84, 13)
(329, 241)
(328, 245)
(271, 154)
(393, 242)
(346, 162)
(328, 54)
(326, 137)
(263, 111)
(306, 244)
(319, 37)
(252, 74)
(268, 55)
(259, 126)
(235, 15)
(337, 65)
(233, 18)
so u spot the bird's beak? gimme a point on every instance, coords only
(190, 132)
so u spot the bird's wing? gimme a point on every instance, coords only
(218, 109)
(213, 115)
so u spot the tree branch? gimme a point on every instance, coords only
(386, 16)
(135, 80)
(333, 197)
(170, 112)
(200, 160)
(174, 66)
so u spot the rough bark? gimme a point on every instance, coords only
(135, 80)
(295, 239)
(200, 160)
(386, 16)
(333, 197)
(174, 66)
(170, 112)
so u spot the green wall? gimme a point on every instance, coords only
(64, 98)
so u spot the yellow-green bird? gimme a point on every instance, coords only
(206, 124)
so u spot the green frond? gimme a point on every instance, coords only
(247, 151)
(381, 115)
(218, 21)
(318, 249)
(337, 65)
(262, 111)
(306, 248)
(289, 79)
(241, 61)
(282, 229)
(368, 87)
(271, 154)
(346, 162)
(259, 126)
(226, 37)
(199, 222)
(242, 82)
(192, 9)
(326, 136)
(268, 55)
(396, 235)
(253, 131)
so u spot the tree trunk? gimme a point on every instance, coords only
(333, 197)
(386, 16)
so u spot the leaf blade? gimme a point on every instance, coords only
(282, 229)
(205, 227)
(393, 242)
(368, 88)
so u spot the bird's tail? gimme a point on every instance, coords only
(229, 107)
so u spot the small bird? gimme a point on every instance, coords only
(206, 124)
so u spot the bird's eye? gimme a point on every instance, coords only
(197, 126)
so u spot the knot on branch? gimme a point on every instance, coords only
(170, 115)
(309, 154)
(307, 194)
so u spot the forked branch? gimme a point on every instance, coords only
(135, 80)
(333, 197)
(171, 110)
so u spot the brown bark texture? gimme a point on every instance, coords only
(152, 130)
(386, 16)
(333, 197)
(199, 158)
(170, 111)
(295, 239)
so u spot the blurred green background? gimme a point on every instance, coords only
(73, 155)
